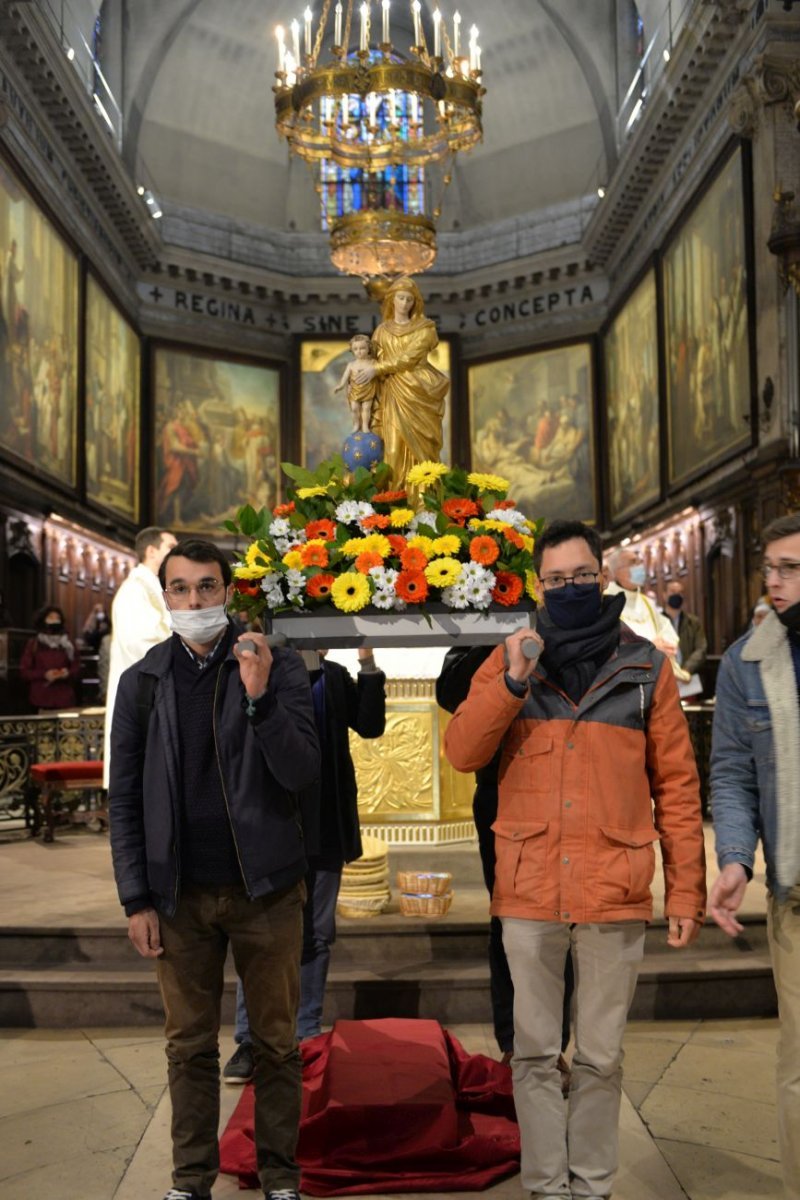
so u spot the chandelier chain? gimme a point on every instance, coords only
(323, 24)
(347, 22)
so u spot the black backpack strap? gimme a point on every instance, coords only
(144, 701)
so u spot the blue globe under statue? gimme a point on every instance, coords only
(362, 450)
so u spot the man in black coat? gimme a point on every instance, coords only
(340, 704)
(211, 744)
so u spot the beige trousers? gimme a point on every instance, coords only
(783, 929)
(570, 1150)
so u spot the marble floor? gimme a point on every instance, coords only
(84, 1114)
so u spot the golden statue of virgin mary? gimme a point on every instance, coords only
(411, 392)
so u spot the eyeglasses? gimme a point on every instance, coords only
(583, 578)
(784, 570)
(206, 587)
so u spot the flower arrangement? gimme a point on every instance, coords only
(347, 541)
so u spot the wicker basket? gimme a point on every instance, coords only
(357, 907)
(424, 905)
(428, 883)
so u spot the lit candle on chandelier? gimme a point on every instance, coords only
(437, 34)
(307, 19)
(386, 38)
(337, 25)
(280, 35)
(456, 34)
(295, 41)
(415, 9)
(363, 45)
(473, 48)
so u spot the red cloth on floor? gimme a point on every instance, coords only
(391, 1106)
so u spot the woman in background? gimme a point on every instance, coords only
(49, 664)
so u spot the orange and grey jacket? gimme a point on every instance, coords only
(587, 789)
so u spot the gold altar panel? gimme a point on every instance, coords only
(398, 774)
(404, 776)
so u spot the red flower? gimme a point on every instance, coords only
(412, 586)
(314, 556)
(246, 587)
(323, 528)
(283, 510)
(413, 559)
(375, 521)
(506, 504)
(507, 588)
(484, 550)
(515, 538)
(397, 542)
(319, 587)
(367, 560)
(460, 510)
(389, 497)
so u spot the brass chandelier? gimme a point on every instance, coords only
(378, 127)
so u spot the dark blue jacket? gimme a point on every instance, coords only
(264, 762)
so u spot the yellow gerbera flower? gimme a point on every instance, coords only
(255, 556)
(374, 542)
(293, 559)
(350, 592)
(448, 543)
(400, 517)
(254, 572)
(443, 572)
(425, 544)
(307, 492)
(496, 526)
(425, 473)
(528, 542)
(530, 584)
(487, 483)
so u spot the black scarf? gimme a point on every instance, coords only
(572, 657)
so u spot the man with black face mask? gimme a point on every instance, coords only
(755, 793)
(213, 737)
(596, 765)
(692, 642)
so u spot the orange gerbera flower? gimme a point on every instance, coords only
(319, 587)
(283, 510)
(314, 555)
(460, 510)
(507, 588)
(397, 542)
(412, 586)
(323, 528)
(515, 538)
(389, 497)
(375, 521)
(484, 550)
(367, 560)
(506, 504)
(413, 559)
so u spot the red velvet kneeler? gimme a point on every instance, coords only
(391, 1106)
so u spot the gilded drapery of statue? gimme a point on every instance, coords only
(411, 391)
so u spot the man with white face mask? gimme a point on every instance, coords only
(213, 737)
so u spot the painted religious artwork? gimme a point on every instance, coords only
(216, 438)
(112, 405)
(631, 365)
(38, 336)
(707, 337)
(326, 399)
(531, 422)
